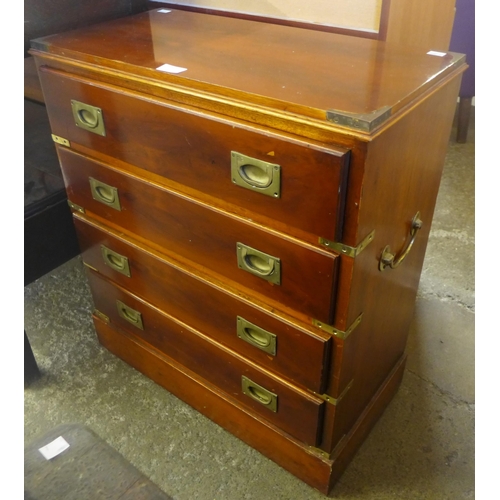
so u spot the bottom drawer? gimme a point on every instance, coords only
(296, 412)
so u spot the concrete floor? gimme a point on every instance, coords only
(422, 448)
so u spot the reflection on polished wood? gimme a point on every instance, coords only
(286, 68)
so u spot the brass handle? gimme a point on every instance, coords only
(259, 394)
(258, 263)
(104, 193)
(88, 117)
(131, 315)
(115, 261)
(256, 336)
(257, 175)
(388, 259)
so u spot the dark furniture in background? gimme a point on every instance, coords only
(463, 41)
(49, 234)
(45, 17)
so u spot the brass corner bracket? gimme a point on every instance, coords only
(101, 315)
(366, 122)
(86, 264)
(319, 453)
(335, 401)
(60, 140)
(346, 249)
(334, 331)
(76, 207)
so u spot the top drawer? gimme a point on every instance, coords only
(280, 181)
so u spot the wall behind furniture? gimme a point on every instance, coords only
(363, 15)
(424, 23)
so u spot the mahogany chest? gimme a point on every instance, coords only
(253, 203)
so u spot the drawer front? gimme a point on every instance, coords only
(292, 275)
(300, 356)
(296, 412)
(195, 151)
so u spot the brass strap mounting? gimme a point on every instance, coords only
(334, 331)
(321, 453)
(346, 249)
(101, 315)
(90, 267)
(76, 207)
(60, 140)
(335, 401)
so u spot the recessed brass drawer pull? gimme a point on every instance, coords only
(260, 264)
(256, 336)
(388, 259)
(259, 394)
(105, 194)
(115, 261)
(257, 175)
(88, 117)
(131, 315)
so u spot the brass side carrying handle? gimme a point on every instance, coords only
(256, 336)
(258, 263)
(388, 259)
(259, 394)
(88, 117)
(116, 261)
(257, 175)
(131, 315)
(104, 193)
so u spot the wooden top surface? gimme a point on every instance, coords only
(311, 73)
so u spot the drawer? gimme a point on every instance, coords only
(293, 410)
(194, 150)
(291, 274)
(299, 355)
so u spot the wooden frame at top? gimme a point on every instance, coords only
(380, 35)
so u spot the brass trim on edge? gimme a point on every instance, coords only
(365, 122)
(318, 452)
(90, 267)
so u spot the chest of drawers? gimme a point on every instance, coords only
(253, 204)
